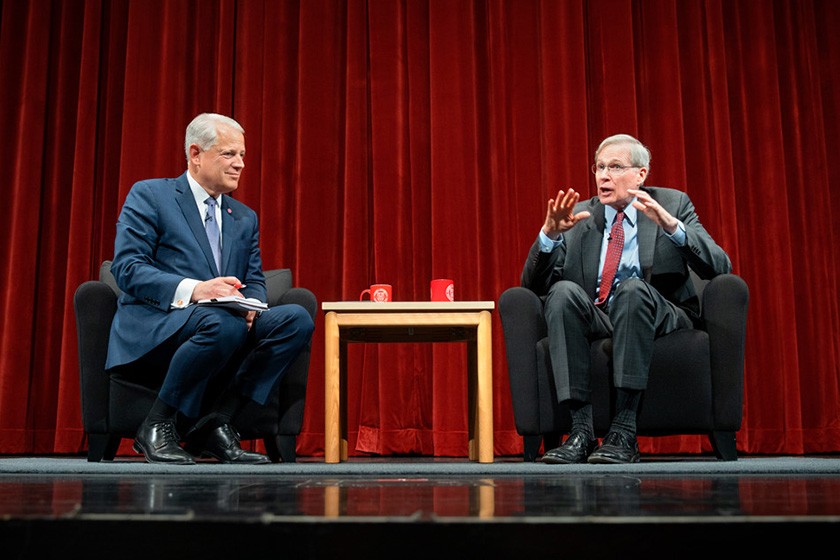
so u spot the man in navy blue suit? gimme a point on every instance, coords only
(164, 263)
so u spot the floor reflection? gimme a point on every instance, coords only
(544, 498)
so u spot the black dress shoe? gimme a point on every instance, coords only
(222, 443)
(159, 443)
(617, 447)
(575, 449)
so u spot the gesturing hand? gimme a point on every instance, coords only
(560, 216)
(653, 210)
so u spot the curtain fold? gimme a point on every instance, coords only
(397, 141)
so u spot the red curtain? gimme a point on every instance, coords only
(399, 141)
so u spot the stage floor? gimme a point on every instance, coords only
(412, 508)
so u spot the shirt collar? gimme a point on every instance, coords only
(630, 214)
(198, 192)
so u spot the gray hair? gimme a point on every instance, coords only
(639, 154)
(202, 131)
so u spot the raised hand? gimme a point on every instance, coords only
(560, 216)
(653, 210)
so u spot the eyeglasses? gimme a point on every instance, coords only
(613, 170)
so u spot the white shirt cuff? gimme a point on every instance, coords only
(183, 293)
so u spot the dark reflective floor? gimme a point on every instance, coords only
(267, 497)
(320, 516)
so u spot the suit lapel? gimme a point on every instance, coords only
(647, 243)
(591, 241)
(187, 203)
(229, 230)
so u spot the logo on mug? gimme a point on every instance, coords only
(442, 289)
(378, 293)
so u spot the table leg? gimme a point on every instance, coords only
(342, 401)
(484, 351)
(472, 400)
(332, 389)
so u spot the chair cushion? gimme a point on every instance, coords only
(678, 398)
(679, 394)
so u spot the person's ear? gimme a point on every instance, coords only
(195, 152)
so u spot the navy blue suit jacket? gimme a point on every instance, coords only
(160, 241)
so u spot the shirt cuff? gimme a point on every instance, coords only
(548, 244)
(183, 293)
(678, 237)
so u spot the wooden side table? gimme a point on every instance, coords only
(409, 321)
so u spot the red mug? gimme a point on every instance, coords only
(443, 289)
(380, 293)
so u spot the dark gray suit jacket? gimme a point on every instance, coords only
(664, 265)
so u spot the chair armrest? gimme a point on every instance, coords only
(95, 304)
(302, 297)
(293, 385)
(277, 283)
(523, 325)
(724, 312)
(279, 291)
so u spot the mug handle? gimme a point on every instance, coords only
(362, 295)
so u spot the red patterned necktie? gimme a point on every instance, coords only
(614, 248)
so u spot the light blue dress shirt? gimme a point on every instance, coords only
(628, 266)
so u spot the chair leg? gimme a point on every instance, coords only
(282, 448)
(102, 446)
(723, 444)
(532, 448)
(272, 449)
(552, 440)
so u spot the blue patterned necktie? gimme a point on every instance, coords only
(212, 229)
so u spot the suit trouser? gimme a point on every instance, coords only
(216, 342)
(637, 314)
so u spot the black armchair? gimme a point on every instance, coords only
(696, 379)
(113, 407)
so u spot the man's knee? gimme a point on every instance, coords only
(222, 325)
(564, 295)
(631, 292)
(290, 320)
(302, 321)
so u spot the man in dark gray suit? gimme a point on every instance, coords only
(655, 236)
(180, 241)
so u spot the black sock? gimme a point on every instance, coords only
(229, 406)
(161, 412)
(223, 413)
(626, 409)
(582, 418)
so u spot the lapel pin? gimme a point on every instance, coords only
(230, 211)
